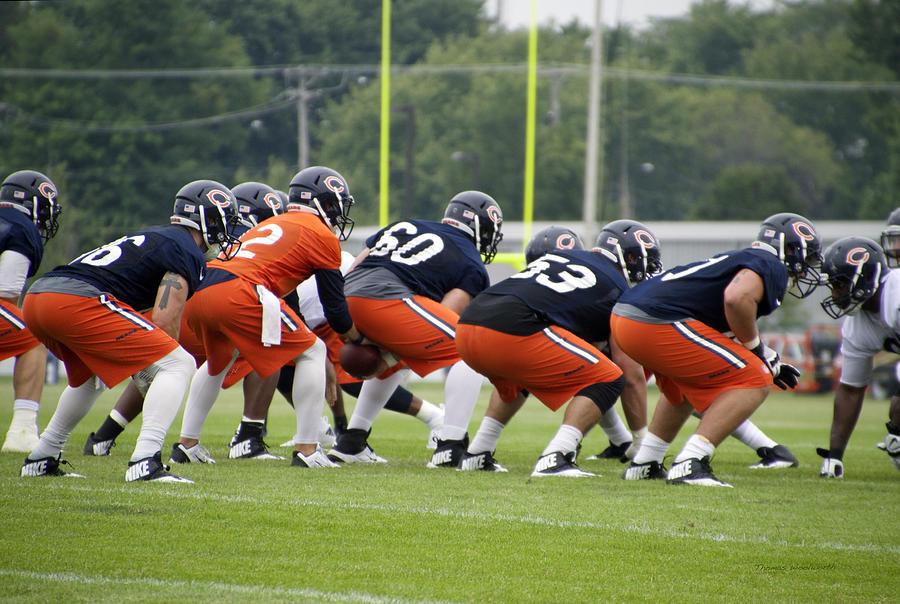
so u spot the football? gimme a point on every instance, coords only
(360, 360)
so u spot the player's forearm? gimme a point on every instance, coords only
(847, 406)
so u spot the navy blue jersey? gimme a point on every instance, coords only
(574, 289)
(430, 258)
(131, 267)
(696, 290)
(19, 234)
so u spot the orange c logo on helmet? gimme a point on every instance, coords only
(645, 239)
(273, 201)
(47, 190)
(494, 214)
(219, 197)
(857, 256)
(804, 231)
(565, 241)
(334, 184)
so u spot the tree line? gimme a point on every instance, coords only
(725, 114)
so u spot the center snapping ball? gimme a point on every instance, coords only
(360, 360)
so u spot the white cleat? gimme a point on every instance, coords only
(21, 439)
(317, 460)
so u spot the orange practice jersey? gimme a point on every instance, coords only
(281, 252)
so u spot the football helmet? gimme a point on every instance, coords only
(211, 208)
(632, 248)
(793, 239)
(853, 269)
(478, 216)
(552, 238)
(326, 192)
(890, 239)
(34, 194)
(256, 202)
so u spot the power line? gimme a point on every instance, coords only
(544, 69)
(84, 126)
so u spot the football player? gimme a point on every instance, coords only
(241, 310)
(401, 400)
(864, 290)
(255, 203)
(88, 313)
(541, 332)
(29, 214)
(405, 294)
(689, 313)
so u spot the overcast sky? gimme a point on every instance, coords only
(517, 13)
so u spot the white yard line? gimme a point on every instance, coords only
(232, 588)
(185, 492)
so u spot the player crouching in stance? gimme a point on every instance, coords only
(868, 294)
(241, 311)
(405, 294)
(29, 215)
(541, 331)
(688, 314)
(88, 314)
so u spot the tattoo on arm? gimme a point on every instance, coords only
(169, 282)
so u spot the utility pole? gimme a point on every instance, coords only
(406, 208)
(593, 157)
(302, 93)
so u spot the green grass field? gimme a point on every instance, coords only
(263, 531)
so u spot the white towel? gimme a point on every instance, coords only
(271, 316)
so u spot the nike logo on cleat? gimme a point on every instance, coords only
(137, 471)
(476, 462)
(37, 468)
(637, 472)
(680, 470)
(240, 449)
(442, 457)
(546, 462)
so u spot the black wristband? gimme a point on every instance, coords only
(359, 340)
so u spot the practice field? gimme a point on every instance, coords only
(263, 531)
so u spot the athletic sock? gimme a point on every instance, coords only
(653, 448)
(250, 428)
(749, 434)
(112, 426)
(487, 436)
(431, 415)
(696, 447)
(565, 441)
(25, 413)
(614, 428)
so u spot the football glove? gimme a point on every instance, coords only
(768, 356)
(788, 376)
(783, 375)
(832, 467)
(892, 448)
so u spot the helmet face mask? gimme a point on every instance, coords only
(853, 268)
(34, 194)
(632, 248)
(211, 208)
(325, 192)
(478, 216)
(890, 239)
(549, 239)
(795, 242)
